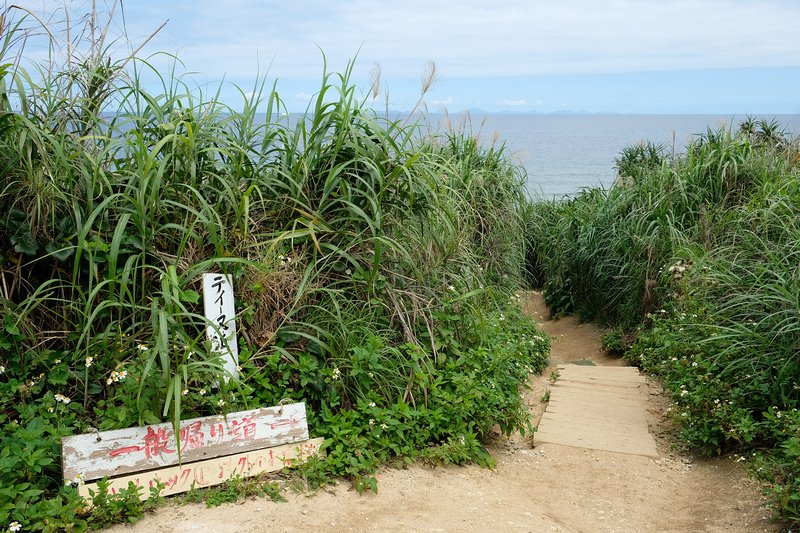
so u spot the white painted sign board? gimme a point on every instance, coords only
(122, 451)
(220, 311)
(212, 449)
(212, 472)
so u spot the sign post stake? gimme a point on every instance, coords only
(220, 310)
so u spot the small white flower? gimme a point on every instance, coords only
(185, 392)
(202, 392)
(451, 288)
(50, 409)
(336, 373)
(372, 404)
(371, 421)
(371, 375)
(89, 361)
(221, 403)
(14, 526)
(384, 426)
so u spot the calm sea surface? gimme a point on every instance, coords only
(563, 153)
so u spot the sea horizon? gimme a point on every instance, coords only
(565, 152)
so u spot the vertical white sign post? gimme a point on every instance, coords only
(219, 309)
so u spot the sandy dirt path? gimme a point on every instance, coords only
(539, 488)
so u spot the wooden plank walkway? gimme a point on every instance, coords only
(598, 408)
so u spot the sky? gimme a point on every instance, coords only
(620, 56)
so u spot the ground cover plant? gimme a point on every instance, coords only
(693, 257)
(374, 268)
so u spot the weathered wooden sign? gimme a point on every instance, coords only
(212, 450)
(212, 472)
(220, 311)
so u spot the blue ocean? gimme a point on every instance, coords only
(564, 153)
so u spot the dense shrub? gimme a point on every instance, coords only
(694, 258)
(373, 268)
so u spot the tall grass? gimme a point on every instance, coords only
(102, 207)
(370, 261)
(696, 253)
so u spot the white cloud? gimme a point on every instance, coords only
(303, 96)
(514, 102)
(504, 38)
(249, 40)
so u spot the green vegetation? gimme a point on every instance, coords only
(374, 269)
(694, 258)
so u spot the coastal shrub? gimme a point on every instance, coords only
(373, 268)
(693, 256)
(600, 253)
(442, 416)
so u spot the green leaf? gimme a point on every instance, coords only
(134, 241)
(150, 417)
(25, 244)
(67, 225)
(57, 376)
(60, 252)
(190, 296)
(122, 413)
